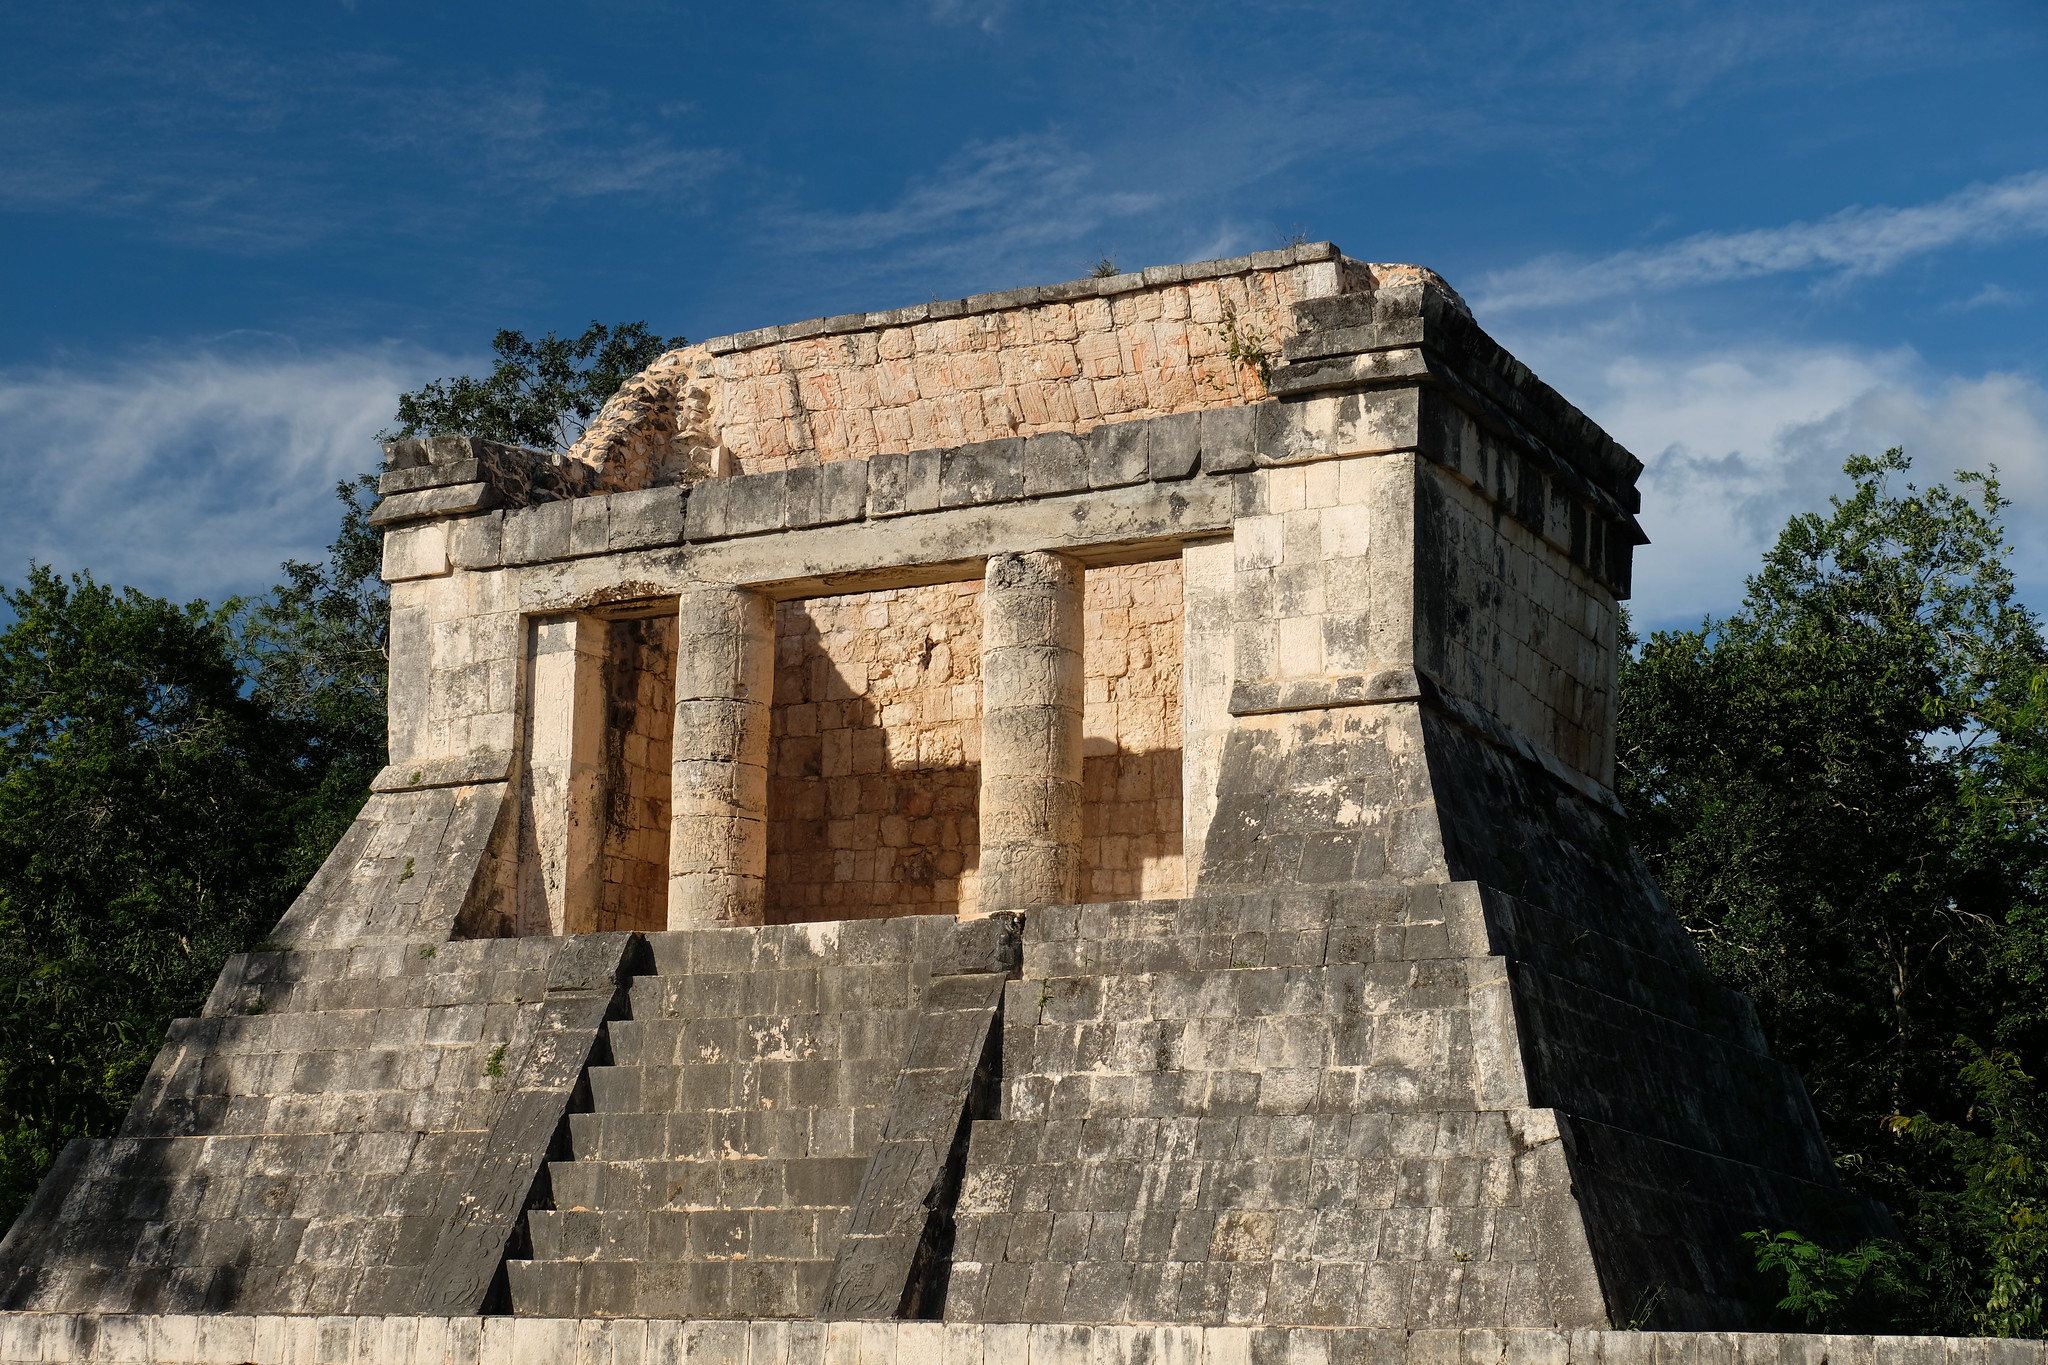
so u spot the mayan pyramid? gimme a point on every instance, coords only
(1076, 811)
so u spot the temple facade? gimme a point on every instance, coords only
(1068, 817)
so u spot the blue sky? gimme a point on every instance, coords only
(1749, 238)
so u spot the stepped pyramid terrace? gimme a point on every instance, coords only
(1070, 826)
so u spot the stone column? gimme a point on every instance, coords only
(1208, 642)
(725, 683)
(561, 783)
(1032, 698)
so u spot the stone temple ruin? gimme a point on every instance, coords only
(1071, 825)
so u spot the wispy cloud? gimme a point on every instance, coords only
(1990, 296)
(982, 14)
(988, 204)
(1855, 242)
(190, 474)
(208, 143)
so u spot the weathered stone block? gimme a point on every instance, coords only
(985, 472)
(534, 535)
(756, 502)
(419, 551)
(645, 517)
(1175, 446)
(438, 501)
(1119, 453)
(474, 542)
(1054, 462)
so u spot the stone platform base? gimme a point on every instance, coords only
(135, 1339)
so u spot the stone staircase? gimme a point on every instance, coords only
(1391, 1106)
(716, 1169)
(1287, 1108)
(320, 1140)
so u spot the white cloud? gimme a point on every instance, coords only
(1855, 242)
(1990, 296)
(190, 474)
(1737, 439)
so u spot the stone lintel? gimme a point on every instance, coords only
(446, 501)
(413, 478)
(1156, 479)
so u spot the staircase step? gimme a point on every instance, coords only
(655, 1289)
(827, 1182)
(782, 1133)
(718, 1086)
(678, 1235)
(864, 1033)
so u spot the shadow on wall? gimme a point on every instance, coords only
(874, 773)
(874, 770)
(639, 762)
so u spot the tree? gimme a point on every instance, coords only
(1838, 788)
(142, 840)
(541, 393)
(1995, 1211)
(170, 776)
(316, 649)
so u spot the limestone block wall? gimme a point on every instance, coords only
(1509, 622)
(1131, 844)
(1321, 589)
(461, 635)
(640, 700)
(876, 750)
(1056, 358)
(1057, 366)
(875, 754)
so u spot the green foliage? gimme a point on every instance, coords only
(1244, 345)
(143, 838)
(170, 776)
(315, 648)
(1103, 269)
(1839, 788)
(496, 1065)
(1833, 1291)
(1993, 1221)
(541, 393)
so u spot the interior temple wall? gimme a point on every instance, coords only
(875, 757)
(640, 705)
(1131, 771)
